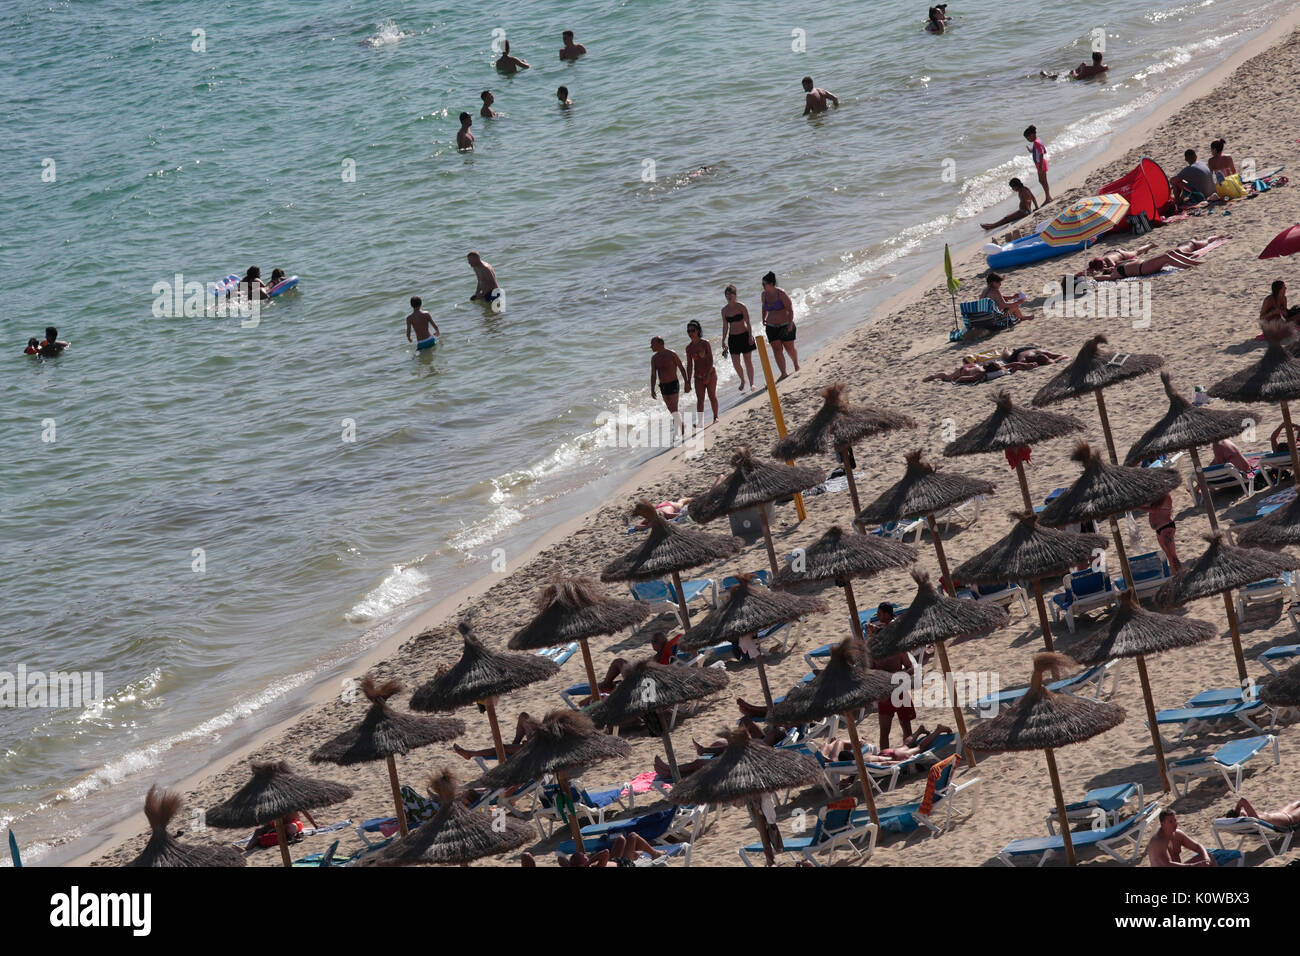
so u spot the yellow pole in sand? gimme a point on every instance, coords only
(775, 399)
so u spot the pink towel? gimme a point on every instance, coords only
(642, 782)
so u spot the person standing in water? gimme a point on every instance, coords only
(53, 345)
(562, 94)
(1038, 153)
(420, 322)
(510, 64)
(1085, 70)
(571, 50)
(487, 288)
(778, 323)
(664, 364)
(464, 138)
(937, 18)
(816, 98)
(700, 370)
(737, 335)
(487, 112)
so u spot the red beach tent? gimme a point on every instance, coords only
(1146, 188)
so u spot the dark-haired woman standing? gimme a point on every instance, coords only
(737, 335)
(778, 323)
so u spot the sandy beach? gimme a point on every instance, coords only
(1203, 322)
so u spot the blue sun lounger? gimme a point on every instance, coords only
(559, 654)
(1275, 657)
(1122, 842)
(1229, 760)
(1102, 806)
(1092, 677)
(834, 829)
(908, 816)
(1194, 720)
(1247, 828)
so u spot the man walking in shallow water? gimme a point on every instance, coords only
(664, 365)
(816, 99)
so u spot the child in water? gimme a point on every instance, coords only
(33, 347)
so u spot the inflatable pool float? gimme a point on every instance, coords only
(284, 285)
(428, 343)
(224, 286)
(1025, 250)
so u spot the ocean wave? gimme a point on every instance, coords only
(386, 33)
(401, 585)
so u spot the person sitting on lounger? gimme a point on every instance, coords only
(1167, 846)
(1275, 440)
(993, 290)
(1226, 452)
(1287, 816)
(1275, 305)
(1147, 267)
(1028, 203)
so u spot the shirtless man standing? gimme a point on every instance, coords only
(1167, 846)
(464, 138)
(487, 112)
(815, 101)
(1084, 70)
(510, 64)
(664, 365)
(1027, 203)
(571, 50)
(420, 322)
(487, 288)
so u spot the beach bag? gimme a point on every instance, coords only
(1140, 225)
(1231, 187)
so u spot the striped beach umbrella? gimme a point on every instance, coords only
(1085, 219)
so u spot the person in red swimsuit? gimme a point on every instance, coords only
(699, 368)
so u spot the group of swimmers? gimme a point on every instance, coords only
(48, 347)
(252, 286)
(508, 64)
(486, 290)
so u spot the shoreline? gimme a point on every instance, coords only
(656, 469)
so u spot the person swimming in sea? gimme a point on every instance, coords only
(464, 138)
(937, 18)
(33, 347)
(487, 289)
(487, 112)
(571, 50)
(562, 94)
(252, 286)
(1083, 71)
(700, 369)
(420, 322)
(816, 98)
(737, 335)
(510, 64)
(53, 345)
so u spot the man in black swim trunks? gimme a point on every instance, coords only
(664, 365)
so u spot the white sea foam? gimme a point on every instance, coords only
(401, 585)
(385, 33)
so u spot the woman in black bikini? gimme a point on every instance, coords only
(1132, 268)
(778, 323)
(737, 336)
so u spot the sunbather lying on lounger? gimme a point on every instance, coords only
(1147, 267)
(1226, 452)
(667, 509)
(841, 748)
(1286, 816)
(525, 727)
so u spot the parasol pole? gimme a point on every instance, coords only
(1105, 426)
(951, 588)
(1290, 440)
(397, 795)
(1060, 807)
(1233, 629)
(777, 415)
(1042, 614)
(668, 745)
(767, 539)
(564, 797)
(490, 705)
(284, 842)
(1024, 485)
(681, 603)
(845, 452)
(591, 668)
(862, 767)
(855, 625)
(761, 825)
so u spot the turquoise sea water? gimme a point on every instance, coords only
(173, 156)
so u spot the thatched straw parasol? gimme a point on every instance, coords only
(923, 492)
(840, 557)
(575, 609)
(669, 549)
(1137, 633)
(845, 685)
(1095, 369)
(1274, 377)
(163, 849)
(835, 427)
(1043, 720)
(481, 675)
(383, 733)
(456, 835)
(565, 740)
(749, 608)
(1282, 690)
(744, 772)
(1028, 553)
(1221, 569)
(1012, 427)
(272, 794)
(1185, 427)
(1273, 531)
(753, 483)
(932, 618)
(650, 688)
